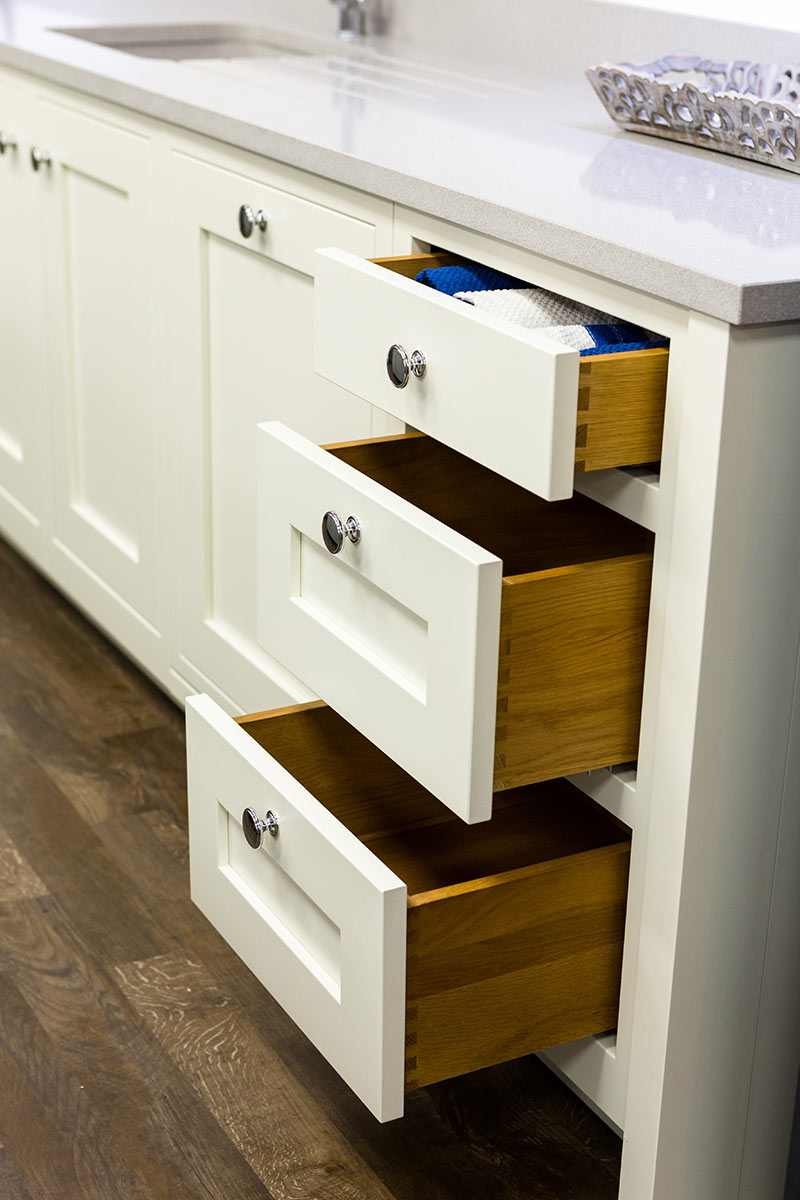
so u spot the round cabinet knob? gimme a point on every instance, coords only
(254, 828)
(335, 531)
(7, 142)
(249, 219)
(40, 158)
(400, 365)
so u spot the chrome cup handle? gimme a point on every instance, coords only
(254, 827)
(248, 220)
(40, 158)
(400, 365)
(335, 531)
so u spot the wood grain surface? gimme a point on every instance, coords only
(571, 669)
(413, 832)
(522, 962)
(410, 265)
(621, 400)
(121, 1083)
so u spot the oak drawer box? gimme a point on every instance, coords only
(482, 637)
(513, 399)
(408, 946)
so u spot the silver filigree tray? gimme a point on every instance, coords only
(749, 109)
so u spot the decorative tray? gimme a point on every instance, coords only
(749, 109)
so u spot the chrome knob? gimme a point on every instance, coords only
(249, 219)
(40, 158)
(400, 365)
(7, 142)
(335, 530)
(254, 828)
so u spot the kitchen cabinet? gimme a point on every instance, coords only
(24, 417)
(371, 627)
(80, 431)
(701, 1070)
(240, 335)
(144, 338)
(102, 317)
(705, 1049)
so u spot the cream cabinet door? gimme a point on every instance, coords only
(241, 353)
(100, 245)
(24, 419)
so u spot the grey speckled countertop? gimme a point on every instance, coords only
(499, 131)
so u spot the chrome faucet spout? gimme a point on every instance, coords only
(351, 18)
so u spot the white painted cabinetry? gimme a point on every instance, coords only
(102, 312)
(79, 413)
(143, 339)
(24, 420)
(240, 338)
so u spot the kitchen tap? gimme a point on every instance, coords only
(351, 18)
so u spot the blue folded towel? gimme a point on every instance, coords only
(467, 277)
(612, 339)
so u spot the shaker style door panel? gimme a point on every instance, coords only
(102, 314)
(241, 354)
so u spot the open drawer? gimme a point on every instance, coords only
(513, 399)
(482, 637)
(407, 946)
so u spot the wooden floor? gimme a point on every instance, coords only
(138, 1057)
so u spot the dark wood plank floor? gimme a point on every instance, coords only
(138, 1057)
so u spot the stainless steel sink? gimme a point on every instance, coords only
(198, 40)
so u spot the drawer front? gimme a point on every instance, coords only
(505, 397)
(398, 633)
(313, 913)
(294, 223)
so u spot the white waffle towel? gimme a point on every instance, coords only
(571, 335)
(536, 308)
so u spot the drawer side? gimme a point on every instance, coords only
(621, 400)
(514, 965)
(571, 668)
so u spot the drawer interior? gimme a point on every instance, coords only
(514, 927)
(529, 534)
(426, 846)
(411, 265)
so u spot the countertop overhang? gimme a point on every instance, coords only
(525, 155)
